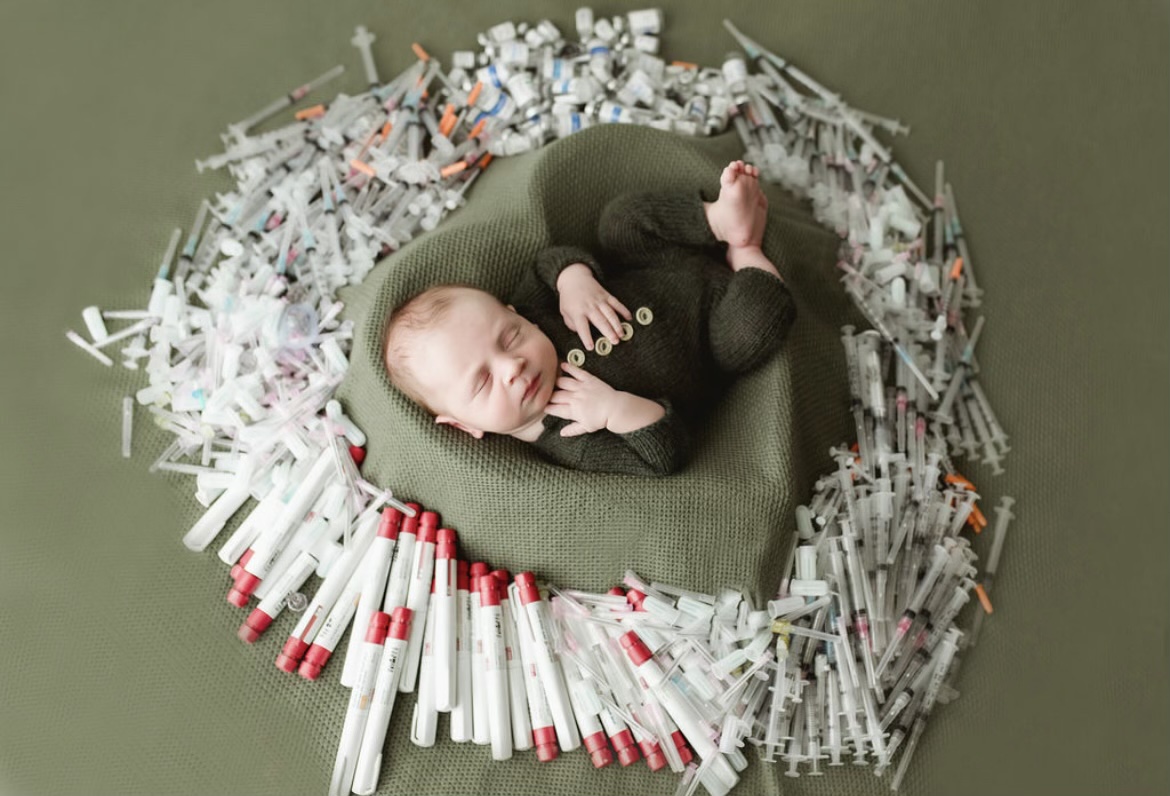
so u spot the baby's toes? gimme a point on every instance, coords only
(728, 176)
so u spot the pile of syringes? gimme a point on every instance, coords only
(243, 351)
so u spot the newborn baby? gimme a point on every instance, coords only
(681, 296)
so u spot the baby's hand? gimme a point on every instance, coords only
(585, 301)
(583, 398)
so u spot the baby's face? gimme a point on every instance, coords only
(485, 368)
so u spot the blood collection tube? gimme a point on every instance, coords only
(273, 603)
(637, 599)
(398, 584)
(443, 601)
(544, 734)
(390, 662)
(518, 696)
(331, 588)
(422, 572)
(359, 706)
(425, 720)
(586, 707)
(461, 719)
(267, 548)
(652, 677)
(480, 729)
(334, 626)
(374, 583)
(495, 667)
(540, 623)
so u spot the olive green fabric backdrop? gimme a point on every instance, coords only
(119, 667)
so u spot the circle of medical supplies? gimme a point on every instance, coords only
(885, 251)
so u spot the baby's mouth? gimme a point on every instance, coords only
(533, 388)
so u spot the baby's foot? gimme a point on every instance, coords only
(736, 213)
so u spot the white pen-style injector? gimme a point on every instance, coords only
(587, 709)
(422, 572)
(424, 721)
(518, 696)
(272, 541)
(359, 705)
(461, 719)
(544, 734)
(480, 729)
(540, 622)
(393, 533)
(443, 608)
(495, 667)
(369, 757)
(339, 618)
(312, 620)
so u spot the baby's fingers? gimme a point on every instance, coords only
(559, 410)
(613, 327)
(581, 327)
(613, 302)
(574, 430)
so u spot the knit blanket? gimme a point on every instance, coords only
(725, 520)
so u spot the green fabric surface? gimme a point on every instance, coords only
(120, 672)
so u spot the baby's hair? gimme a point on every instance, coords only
(419, 314)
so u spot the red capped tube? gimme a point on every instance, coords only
(428, 527)
(358, 454)
(545, 741)
(639, 653)
(389, 523)
(256, 623)
(314, 661)
(598, 748)
(526, 583)
(378, 627)
(626, 748)
(245, 584)
(489, 591)
(291, 654)
(238, 567)
(653, 754)
(445, 546)
(399, 624)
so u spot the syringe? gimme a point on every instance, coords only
(1002, 516)
(240, 129)
(946, 654)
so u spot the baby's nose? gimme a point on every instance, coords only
(515, 367)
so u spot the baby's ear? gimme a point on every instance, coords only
(450, 421)
(509, 306)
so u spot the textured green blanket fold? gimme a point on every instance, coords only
(724, 521)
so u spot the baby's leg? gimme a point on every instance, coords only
(740, 257)
(748, 323)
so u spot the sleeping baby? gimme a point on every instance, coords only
(680, 297)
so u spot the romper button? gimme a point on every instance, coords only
(644, 316)
(603, 347)
(577, 357)
(627, 331)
